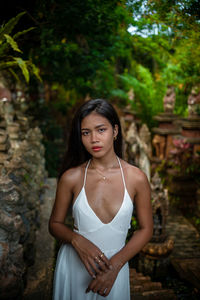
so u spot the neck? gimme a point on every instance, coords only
(109, 161)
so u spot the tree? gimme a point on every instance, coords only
(83, 44)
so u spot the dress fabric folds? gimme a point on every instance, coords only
(71, 278)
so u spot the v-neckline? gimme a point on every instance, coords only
(96, 214)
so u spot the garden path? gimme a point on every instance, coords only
(185, 257)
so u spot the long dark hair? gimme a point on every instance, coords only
(76, 153)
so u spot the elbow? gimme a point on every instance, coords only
(50, 227)
(148, 233)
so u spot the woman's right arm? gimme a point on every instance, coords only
(86, 250)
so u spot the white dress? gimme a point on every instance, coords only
(71, 277)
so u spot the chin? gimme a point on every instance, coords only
(99, 154)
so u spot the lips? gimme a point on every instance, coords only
(96, 148)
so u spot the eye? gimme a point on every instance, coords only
(85, 133)
(101, 130)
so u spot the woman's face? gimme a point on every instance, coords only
(98, 134)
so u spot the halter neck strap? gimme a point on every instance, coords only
(121, 171)
(86, 172)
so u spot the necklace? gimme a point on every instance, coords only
(103, 176)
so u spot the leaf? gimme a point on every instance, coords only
(14, 74)
(23, 32)
(3, 49)
(12, 43)
(35, 71)
(8, 27)
(23, 66)
(7, 64)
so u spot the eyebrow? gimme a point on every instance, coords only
(100, 125)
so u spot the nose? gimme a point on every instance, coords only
(94, 138)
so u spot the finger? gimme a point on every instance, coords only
(94, 266)
(107, 292)
(106, 262)
(90, 287)
(90, 271)
(96, 287)
(102, 266)
(101, 291)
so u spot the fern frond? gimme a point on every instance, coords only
(35, 70)
(23, 66)
(119, 94)
(8, 64)
(14, 74)
(12, 43)
(15, 36)
(3, 49)
(8, 27)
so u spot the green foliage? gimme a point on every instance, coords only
(8, 45)
(148, 93)
(12, 43)
(166, 41)
(83, 44)
(134, 223)
(9, 26)
(85, 49)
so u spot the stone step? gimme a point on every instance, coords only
(146, 286)
(189, 270)
(142, 287)
(164, 294)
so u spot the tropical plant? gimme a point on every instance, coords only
(182, 158)
(182, 161)
(8, 49)
(148, 93)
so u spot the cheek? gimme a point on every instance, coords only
(84, 141)
(110, 136)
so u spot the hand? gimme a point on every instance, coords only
(103, 283)
(91, 256)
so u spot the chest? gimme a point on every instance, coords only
(105, 197)
(106, 193)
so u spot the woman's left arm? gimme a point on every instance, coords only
(140, 238)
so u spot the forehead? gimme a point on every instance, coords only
(94, 119)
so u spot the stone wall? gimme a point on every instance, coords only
(22, 176)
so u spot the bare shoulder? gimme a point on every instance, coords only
(134, 174)
(72, 176)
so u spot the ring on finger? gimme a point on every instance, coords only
(97, 259)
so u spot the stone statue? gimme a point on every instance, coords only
(139, 149)
(159, 144)
(131, 138)
(145, 136)
(131, 94)
(160, 206)
(194, 101)
(145, 150)
(154, 257)
(169, 100)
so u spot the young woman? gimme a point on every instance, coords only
(103, 189)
